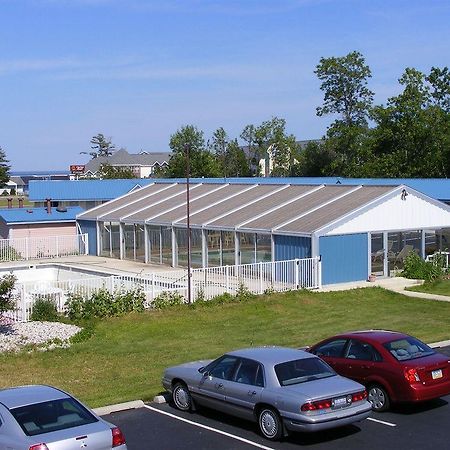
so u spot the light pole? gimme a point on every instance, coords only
(187, 148)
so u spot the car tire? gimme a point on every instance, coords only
(378, 397)
(270, 424)
(182, 397)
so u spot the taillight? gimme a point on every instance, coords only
(313, 406)
(39, 447)
(359, 396)
(411, 375)
(117, 437)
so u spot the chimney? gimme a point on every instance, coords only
(10, 202)
(49, 205)
(20, 202)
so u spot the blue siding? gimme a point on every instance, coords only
(291, 247)
(90, 227)
(344, 258)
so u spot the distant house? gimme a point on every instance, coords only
(15, 184)
(143, 164)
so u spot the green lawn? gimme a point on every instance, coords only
(15, 203)
(440, 287)
(125, 358)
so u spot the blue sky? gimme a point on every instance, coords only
(137, 70)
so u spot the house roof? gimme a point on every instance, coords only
(84, 190)
(123, 158)
(17, 180)
(38, 215)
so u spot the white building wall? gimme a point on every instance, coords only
(413, 213)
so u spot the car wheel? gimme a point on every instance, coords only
(182, 397)
(378, 397)
(270, 424)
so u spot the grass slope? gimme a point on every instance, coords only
(440, 287)
(125, 358)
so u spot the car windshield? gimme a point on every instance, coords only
(408, 348)
(50, 416)
(302, 370)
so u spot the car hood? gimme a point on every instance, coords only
(324, 388)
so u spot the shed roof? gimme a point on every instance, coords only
(38, 215)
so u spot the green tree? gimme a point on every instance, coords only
(315, 160)
(248, 135)
(101, 146)
(202, 162)
(218, 145)
(344, 83)
(236, 162)
(107, 171)
(4, 169)
(412, 133)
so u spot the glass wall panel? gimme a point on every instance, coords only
(154, 238)
(247, 247)
(181, 236)
(139, 242)
(115, 240)
(166, 245)
(445, 240)
(402, 245)
(228, 253)
(182, 245)
(431, 242)
(105, 243)
(196, 247)
(263, 248)
(377, 254)
(128, 234)
(213, 239)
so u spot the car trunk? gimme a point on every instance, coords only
(432, 370)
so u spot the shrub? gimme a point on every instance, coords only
(7, 283)
(168, 299)
(104, 304)
(44, 310)
(243, 293)
(415, 267)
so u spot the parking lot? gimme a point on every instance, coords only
(164, 427)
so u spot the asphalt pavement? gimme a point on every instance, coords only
(162, 427)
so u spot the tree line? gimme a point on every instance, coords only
(408, 137)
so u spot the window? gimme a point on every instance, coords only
(302, 370)
(334, 348)
(362, 351)
(249, 372)
(222, 368)
(51, 416)
(408, 348)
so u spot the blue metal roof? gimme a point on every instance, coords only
(437, 188)
(87, 190)
(38, 215)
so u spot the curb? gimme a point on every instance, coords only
(104, 410)
(440, 344)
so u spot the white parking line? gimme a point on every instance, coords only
(209, 428)
(389, 424)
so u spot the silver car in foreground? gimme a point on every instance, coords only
(45, 418)
(281, 389)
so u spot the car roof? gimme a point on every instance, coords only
(380, 336)
(15, 397)
(270, 355)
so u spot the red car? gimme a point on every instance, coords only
(393, 366)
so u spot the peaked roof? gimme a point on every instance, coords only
(123, 158)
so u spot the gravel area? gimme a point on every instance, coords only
(46, 335)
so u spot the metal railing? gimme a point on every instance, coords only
(19, 249)
(206, 283)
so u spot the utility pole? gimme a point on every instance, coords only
(187, 148)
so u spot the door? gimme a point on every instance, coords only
(333, 353)
(360, 361)
(245, 389)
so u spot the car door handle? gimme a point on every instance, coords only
(251, 392)
(219, 386)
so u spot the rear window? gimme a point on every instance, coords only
(302, 370)
(408, 348)
(52, 416)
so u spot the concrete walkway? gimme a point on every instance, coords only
(395, 284)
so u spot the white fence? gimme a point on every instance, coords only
(43, 247)
(205, 283)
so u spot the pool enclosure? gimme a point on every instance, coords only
(355, 230)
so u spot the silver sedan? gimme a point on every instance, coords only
(45, 418)
(281, 389)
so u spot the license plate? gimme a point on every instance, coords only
(435, 374)
(339, 402)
